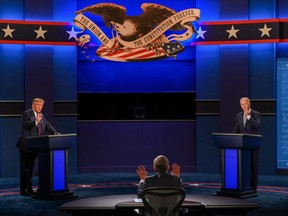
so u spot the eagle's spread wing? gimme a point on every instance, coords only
(156, 13)
(108, 11)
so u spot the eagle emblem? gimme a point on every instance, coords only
(141, 37)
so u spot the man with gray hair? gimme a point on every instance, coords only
(248, 122)
(162, 178)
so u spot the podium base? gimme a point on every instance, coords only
(53, 196)
(237, 194)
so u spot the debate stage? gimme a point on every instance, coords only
(120, 205)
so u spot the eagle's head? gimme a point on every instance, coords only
(131, 28)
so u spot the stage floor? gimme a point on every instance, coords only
(272, 194)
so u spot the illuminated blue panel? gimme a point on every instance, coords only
(208, 70)
(267, 10)
(231, 169)
(12, 10)
(156, 76)
(262, 64)
(65, 65)
(59, 170)
(11, 73)
(210, 10)
(66, 15)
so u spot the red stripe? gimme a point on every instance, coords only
(121, 54)
(239, 22)
(37, 42)
(133, 53)
(236, 42)
(111, 53)
(35, 22)
(149, 55)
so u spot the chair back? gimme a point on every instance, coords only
(163, 201)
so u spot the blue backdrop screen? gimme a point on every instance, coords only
(175, 73)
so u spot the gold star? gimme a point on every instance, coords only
(8, 31)
(232, 32)
(265, 30)
(40, 32)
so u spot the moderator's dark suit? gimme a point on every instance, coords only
(160, 180)
(252, 126)
(27, 157)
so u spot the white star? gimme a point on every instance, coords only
(265, 30)
(232, 32)
(200, 33)
(40, 32)
(73, 33)
(8, 31)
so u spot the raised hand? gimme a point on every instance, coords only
(142, 173)
(175, 170)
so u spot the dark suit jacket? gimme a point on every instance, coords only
(29, 128)
(252, 125)
(160, 180)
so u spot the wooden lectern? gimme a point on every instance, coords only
(236, 152)
(52, 165)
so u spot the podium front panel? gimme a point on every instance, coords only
(231, 168)
(59, 170)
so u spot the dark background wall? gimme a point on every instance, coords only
(223, 74)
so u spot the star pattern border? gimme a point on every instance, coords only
(228, 32)
(243, 31)
(35, 32)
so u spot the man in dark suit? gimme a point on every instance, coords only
(162, 178)
(248, 122)
(34, 123)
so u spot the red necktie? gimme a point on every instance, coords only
(39, 128)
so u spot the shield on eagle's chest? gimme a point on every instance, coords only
(139, 54)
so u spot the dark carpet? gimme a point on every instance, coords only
(272, 192)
